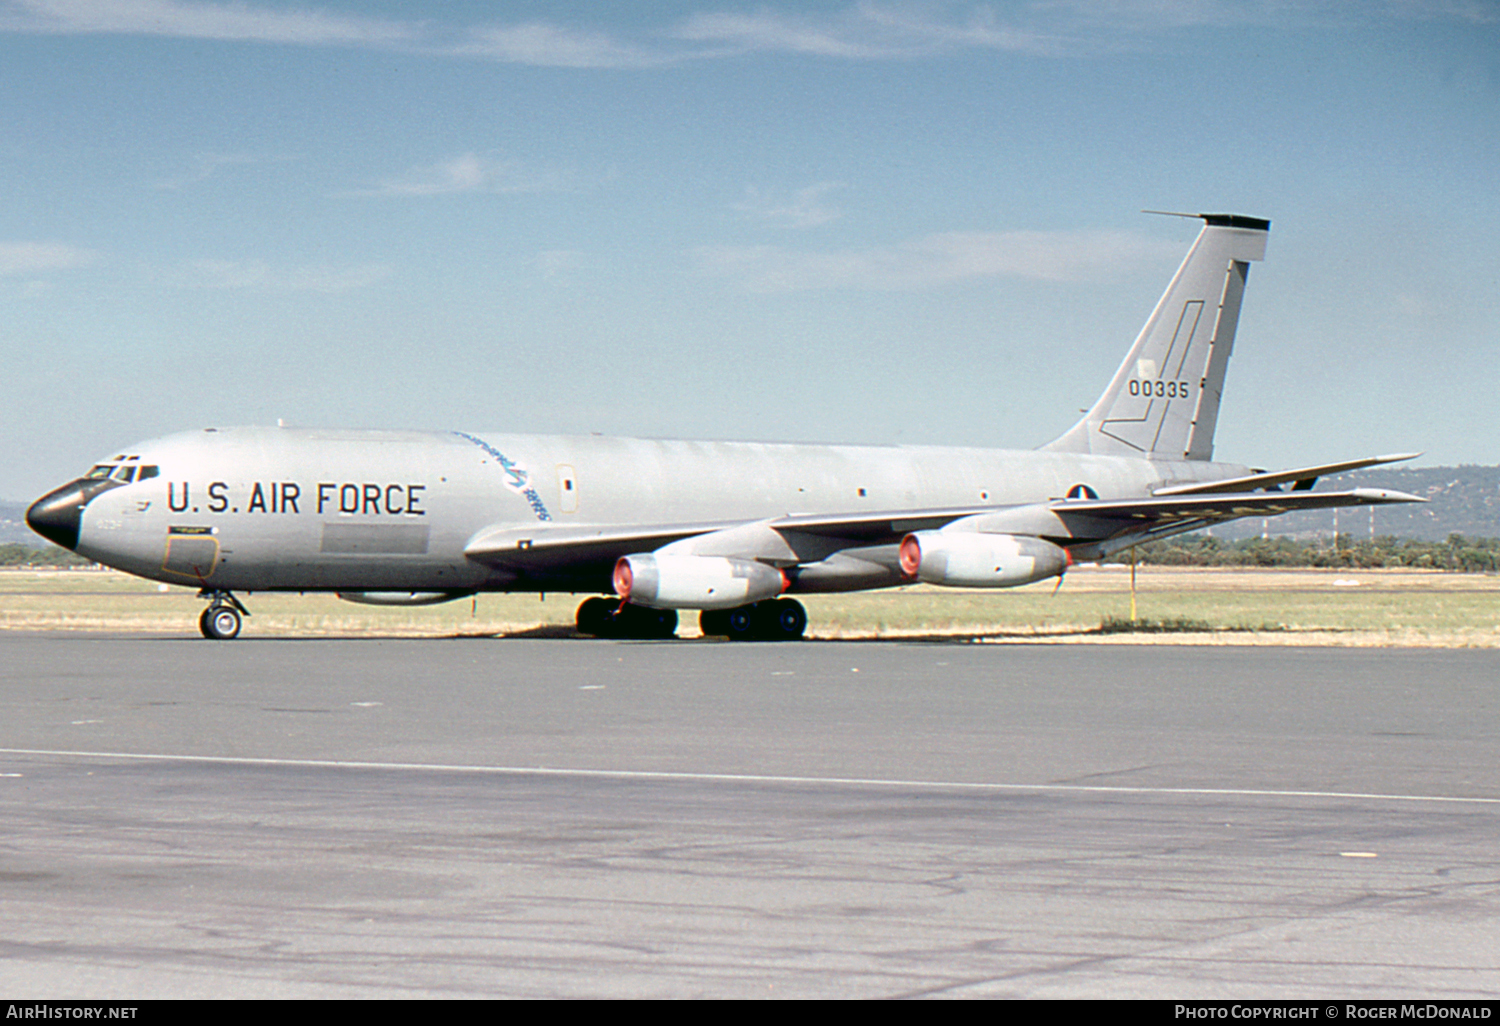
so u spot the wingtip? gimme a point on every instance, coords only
(1381, 496)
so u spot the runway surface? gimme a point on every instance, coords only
(539, 818)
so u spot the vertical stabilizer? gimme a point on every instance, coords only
(1163, 402)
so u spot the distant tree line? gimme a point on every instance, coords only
(1457, 552)
(27, 555)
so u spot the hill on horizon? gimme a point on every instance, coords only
(1460, 500)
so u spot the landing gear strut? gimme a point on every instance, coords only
(609, 618)
(221, 620)
(772, 620)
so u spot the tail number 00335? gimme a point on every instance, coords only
(1162, 389)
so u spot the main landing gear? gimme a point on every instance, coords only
(221, 620)
(609, 618)
(773, 620)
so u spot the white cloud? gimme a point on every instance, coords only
(1097, 19)
(198, 20)
(469, 173)
(552, 46)
(863, 31)
(35, 257)
(868, 30)
(807, 208)
(975, 27)
(1147, 15)
(771, 30)
(933, 261)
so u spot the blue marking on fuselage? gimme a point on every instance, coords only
(515, 474)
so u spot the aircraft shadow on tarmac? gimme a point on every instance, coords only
(568, 632)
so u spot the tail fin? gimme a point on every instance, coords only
(1163, 402)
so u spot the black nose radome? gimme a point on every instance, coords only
(57, 515)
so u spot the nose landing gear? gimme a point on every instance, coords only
(221, 620)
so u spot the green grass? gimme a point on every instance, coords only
(1385, 607)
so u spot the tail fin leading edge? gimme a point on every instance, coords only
(1163, 402)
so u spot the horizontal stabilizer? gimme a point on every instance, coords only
(1304, 477)
(1219, 507)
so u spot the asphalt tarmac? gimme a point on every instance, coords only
(576, 818)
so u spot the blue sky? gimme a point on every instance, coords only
(910, 222)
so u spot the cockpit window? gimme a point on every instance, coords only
(124, 474)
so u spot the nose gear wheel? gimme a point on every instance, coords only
(221, 621)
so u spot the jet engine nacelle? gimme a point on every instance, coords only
(968, 559)
(665, 581)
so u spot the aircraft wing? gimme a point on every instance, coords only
(1118, 524)
(1078, 522)
(1091, 519)
(543, 547)
(540, 545)
(1221, 506)
(1092, 527)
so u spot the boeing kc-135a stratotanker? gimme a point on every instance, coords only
(726, 528)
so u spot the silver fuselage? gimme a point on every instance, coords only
(315, 510)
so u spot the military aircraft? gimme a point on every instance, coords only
(726, 528)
